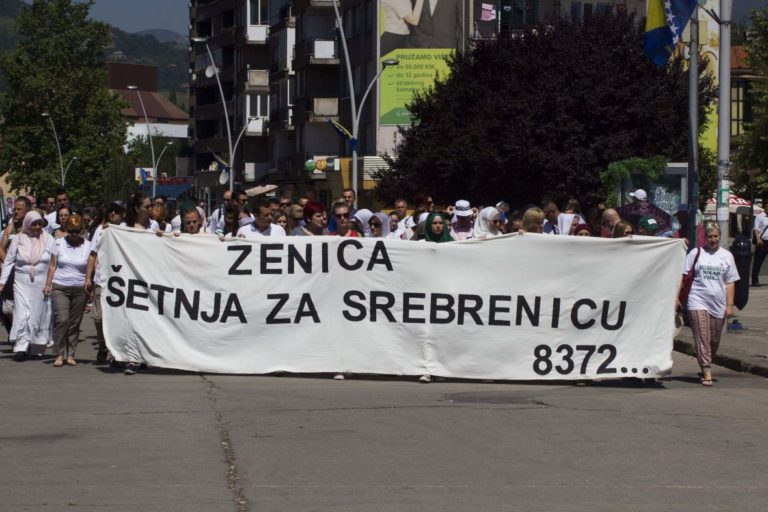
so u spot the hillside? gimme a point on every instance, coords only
(170, 57)
(164, 36)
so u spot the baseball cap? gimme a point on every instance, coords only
(649, 224)
(639, 194)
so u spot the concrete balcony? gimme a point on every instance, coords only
(257, 127)
(257, 34)
(258, 81)
(323, 52)
(321, 109)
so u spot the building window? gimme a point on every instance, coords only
(741, 111)
(259, 12)
(368, 15)
(258, 105)
(357, 79)
(576, 11)
(522, 13)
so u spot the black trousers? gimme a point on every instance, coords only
(761, 251)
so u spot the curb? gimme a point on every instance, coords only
(738, 363)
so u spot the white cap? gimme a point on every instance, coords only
(462, 208)
(639, 194)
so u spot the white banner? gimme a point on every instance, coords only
(515, 307)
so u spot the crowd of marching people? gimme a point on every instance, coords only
(50, 275)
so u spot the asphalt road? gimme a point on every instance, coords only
(86, 438)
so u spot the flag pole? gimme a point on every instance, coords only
(724, 121)
(693, 128)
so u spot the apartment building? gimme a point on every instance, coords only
(284, 77)
(235, 32)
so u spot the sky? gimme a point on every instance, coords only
(137, 15)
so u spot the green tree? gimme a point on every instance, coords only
(56, 68)
(541, 114)
(752, 146)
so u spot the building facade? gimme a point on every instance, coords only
(284, 80)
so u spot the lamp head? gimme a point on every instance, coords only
(390, 62)
(198, 39)
(45, 114)
(132, 87)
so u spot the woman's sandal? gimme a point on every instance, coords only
(58, 363)
(706, 379)
(71, 362)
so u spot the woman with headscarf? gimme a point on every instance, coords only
(29, 254)
(361, 218)
(314, 220)
(380, 225)
(437, 229)
(487, 224)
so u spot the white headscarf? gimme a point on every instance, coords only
(483, 226)
(363, 216)
(386, 225)
(31, 248)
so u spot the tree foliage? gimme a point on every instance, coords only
(752, 146)
(57, 68)
(542, 114)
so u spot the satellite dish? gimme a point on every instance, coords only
(224, 177)
(210, 71)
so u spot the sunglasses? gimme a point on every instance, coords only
(115, 210)
(375, 224)
(341, 215)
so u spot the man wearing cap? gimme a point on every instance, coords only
(461, 223)
(761, 245)
(640, 207)
(115, 216)
(648, 227)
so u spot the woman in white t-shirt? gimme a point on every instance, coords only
(711, 297)
(398, 15)
(66, 286)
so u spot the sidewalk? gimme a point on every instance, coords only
(744, 350)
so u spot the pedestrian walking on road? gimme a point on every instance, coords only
(29, 256)
(711, 298)
(66, 286)
(761, 246)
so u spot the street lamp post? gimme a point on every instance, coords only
(356, 112)
(157, 171)
(58, 146)
(149, 135)
(66, 170)
(204, 40)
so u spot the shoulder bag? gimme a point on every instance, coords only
(685, 288)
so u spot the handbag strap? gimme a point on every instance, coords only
(693, 267)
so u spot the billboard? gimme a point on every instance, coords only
(421, 34)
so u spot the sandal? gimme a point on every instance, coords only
(71, 362)
(58, 363)
(706, 379)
